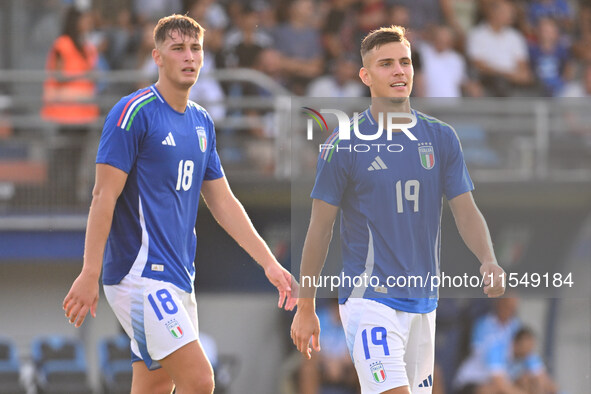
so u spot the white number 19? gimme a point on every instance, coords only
(185, 177)
(411, 193)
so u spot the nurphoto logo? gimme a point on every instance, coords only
(348, 124)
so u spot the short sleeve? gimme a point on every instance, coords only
(214, 166)
(534, 364)
(332, 171)
(456, 179)
(121, 138)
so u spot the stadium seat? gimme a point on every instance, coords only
(115, 364)
(60, 365)
(9, 369)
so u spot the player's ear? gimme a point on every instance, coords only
(156, 56)
(364, 75)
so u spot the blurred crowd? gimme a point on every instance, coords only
(537, 48)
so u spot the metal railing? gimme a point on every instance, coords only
(504, 140)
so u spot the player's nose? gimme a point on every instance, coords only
(189, 55)
(398, 69)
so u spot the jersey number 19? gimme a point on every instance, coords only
(411, 194)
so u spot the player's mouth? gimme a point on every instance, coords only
(398, 85)
(189, 70)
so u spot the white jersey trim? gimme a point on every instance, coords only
(359, 292)
(142, 256)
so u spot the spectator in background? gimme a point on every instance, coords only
(582, 45)
(299, 44)
(580, 88)
(122, 39)
(550, 58)
(244, 43)
(485, 370)
(460, 15)
(424, 14)
(68, 100)
(558, 10)
(68, 91)
(526, 368)
(339, 31)
(498, 52)
(343, 81)
(372, 15)
(444, 70)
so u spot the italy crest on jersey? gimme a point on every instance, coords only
(202, 138)
(427, 155)
(378, 372)
(175, 328)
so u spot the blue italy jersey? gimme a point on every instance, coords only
(390, 194)
(167, 155)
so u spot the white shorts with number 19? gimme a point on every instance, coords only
(390, 348)
(158, 317)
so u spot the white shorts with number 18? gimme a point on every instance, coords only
(158, 317)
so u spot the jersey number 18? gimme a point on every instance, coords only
(185, 175)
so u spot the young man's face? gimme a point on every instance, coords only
(179, 59)
(388, 71)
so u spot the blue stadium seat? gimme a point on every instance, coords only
(115, 364)
(9, 368)
(60, 365)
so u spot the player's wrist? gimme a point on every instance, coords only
(306, 304)
(90, 271)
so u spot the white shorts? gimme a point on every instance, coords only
(158, 317)
(389, 348)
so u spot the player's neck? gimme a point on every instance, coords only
(382, 105)
(175, 97)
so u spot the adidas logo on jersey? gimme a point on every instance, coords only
(169, 140)
(377, 164)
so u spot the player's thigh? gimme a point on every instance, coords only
(420, 353)
(146, 381)
(189, 368)
(376, 336)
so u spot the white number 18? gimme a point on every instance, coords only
(185, 177)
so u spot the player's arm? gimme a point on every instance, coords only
(474, 232)
(83, 295)
(230, 214)
(305, 322)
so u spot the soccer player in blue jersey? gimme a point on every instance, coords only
(391, 203)
(156, 155)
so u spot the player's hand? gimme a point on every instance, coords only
(285, 283)
(496, 286)
(306, 325)
(82, 298)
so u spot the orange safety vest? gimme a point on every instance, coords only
(67, 101)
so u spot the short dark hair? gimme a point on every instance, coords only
(383, 35)
(183, 24)
(522, 333)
